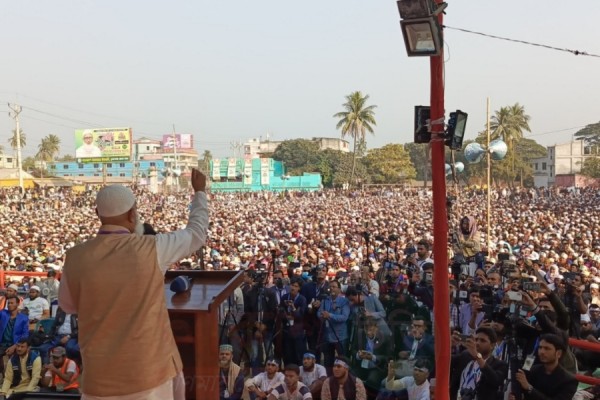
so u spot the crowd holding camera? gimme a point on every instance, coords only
(344, 280)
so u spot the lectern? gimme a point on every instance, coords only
(194, 321)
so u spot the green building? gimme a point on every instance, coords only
(258, 174)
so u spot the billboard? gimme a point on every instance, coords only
(183, 141)
(103, 145)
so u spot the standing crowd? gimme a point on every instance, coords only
(337, 298)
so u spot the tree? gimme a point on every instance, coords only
(509, 123)
(206, 159)
(66, 158)
(591, 167)
(389, 164)
(591, 134)
(48, 148)
(13, 139)
(298, 155)
(356, 121)
(419, 156)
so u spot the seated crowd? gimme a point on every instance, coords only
(39, 342)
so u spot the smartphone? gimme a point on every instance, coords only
(532, 286)
(428, 277)
(463, 338)
(514, 296)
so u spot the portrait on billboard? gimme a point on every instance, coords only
(88, 148)
(103, 145)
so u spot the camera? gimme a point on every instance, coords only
(514, 296)
(468, 394)
(324, 294)
(569, 278)
(532, 286)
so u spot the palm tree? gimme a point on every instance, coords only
(509, 123)
(356, 121)
(13, 139)
(48, 148)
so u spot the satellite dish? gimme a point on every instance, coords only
(474, 152)
(498, 149)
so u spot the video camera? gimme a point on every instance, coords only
(260, 275)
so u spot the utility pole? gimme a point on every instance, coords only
(16, 110)
(440, 226)
(173, 173)
(489, 174)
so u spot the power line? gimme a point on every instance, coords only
(88, 112)
(575, 52)
(61, 117)
(556, 131)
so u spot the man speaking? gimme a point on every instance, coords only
(114, 282)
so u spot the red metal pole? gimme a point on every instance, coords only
(441, 303)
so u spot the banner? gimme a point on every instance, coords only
(231, 168)
(264, 171)
(103, 145)
(216, 171)
(248, 171)
(183, 141)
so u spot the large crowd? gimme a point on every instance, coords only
(338, 285)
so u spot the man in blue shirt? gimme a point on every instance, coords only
(334, 313)
(13, 327)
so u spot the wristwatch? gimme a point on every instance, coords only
(529, 389)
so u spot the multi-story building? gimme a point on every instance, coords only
(257, 174)
(8, 161)
(254, 148)
(561, 159)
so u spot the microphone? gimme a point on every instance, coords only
(181, 284)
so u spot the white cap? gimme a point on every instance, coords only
(35, 288)
(114, 200)
(585, 318)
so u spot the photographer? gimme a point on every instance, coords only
(280, 286)
(334, 312)
(476, 373)
(545, 322)
(293, 307)
(398, 303)
(547, 380)
(315, 291)
(423, 289)
(260, 319)
(570, 293)
(471, 314)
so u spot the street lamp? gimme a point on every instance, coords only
(420, 27)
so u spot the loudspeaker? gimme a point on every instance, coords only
(474, 153)
(498, 149)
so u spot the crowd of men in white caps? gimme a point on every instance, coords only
(338, 286)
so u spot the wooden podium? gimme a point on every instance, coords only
(195, 324)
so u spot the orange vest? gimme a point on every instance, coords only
(66, 385)
(118, 289)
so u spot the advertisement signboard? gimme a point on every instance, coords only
(183, 141)
(103, 145)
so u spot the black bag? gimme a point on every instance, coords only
(39, 338)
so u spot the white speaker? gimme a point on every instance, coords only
(474, 153)
(498, 149)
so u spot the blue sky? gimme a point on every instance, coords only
(233, 70)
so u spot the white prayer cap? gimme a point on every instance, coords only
(114, 200)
